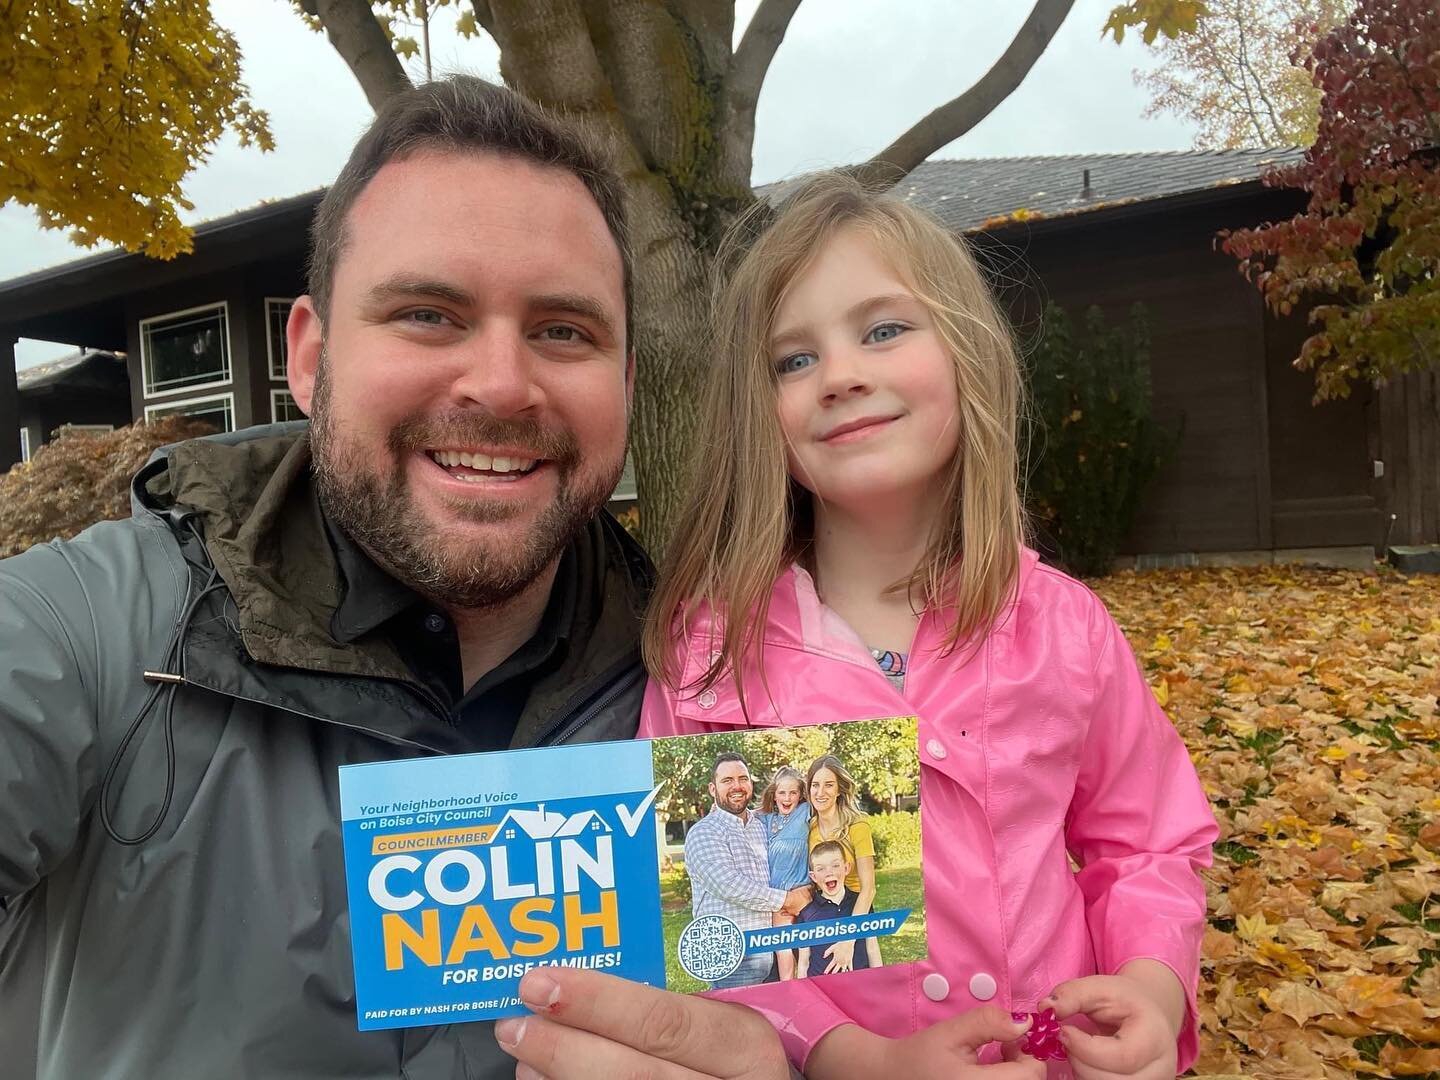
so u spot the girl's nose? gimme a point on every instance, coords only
(843, 375)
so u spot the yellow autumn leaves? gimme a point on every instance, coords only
(108, 105)
(1308, 701)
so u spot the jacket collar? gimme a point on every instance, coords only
(265, 535)
(799, 619)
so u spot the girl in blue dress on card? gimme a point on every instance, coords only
(786, 814)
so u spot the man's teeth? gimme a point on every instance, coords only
(483, 462)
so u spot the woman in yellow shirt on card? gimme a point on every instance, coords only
(837, 816)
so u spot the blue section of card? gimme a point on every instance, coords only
(464, 872)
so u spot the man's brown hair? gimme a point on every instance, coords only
(462, 114)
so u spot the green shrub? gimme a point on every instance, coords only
(897, 838)
(1093, 447)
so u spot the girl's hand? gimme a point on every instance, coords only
(948, 1050)
(842, 957)
(1137, 1037)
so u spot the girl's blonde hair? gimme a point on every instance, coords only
(745, 519)
(847, 796)
(785, 772)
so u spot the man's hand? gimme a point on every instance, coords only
(796, 899)
(587, 1024)
(1136, 1020)
(948, 1050)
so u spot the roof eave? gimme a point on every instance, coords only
(1106, 213)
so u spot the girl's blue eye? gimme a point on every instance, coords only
(799, 361)
(886, 332)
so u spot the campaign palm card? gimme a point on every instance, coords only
(689, 863)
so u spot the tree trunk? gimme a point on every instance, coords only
(671, 301)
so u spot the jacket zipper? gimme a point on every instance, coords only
(620, 678)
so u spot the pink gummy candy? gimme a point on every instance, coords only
(1042, 1041)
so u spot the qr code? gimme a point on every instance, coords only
(710, 948)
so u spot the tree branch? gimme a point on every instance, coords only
(752, 58)
(743, 79)
(956, 117)
(484, 16)
(360, 40)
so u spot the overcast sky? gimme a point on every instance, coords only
(849, 77)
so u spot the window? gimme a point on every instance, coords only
(277, 314)
(283, 407)
(218, 410)
(625, 489)
(185, 350)
(24, 444)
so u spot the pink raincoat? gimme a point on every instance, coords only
(1045, 742)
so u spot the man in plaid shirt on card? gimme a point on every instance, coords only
(725, 856)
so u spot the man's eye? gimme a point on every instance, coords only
(425, 317)
(788, 365)
(560, 332)
(885, 332)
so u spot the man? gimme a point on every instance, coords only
(425, 570)
(725, 856)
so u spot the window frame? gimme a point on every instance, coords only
(150, 390)
(627, 487)
(173, 407)
(270, 343)
(275, 396)
(24, 442)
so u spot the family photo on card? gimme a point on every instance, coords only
(788, 839)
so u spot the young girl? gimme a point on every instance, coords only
(837, 817)
(786, 816)
(860, 494)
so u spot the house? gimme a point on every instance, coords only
(87, 390)
(1259, 468)
(542, 824)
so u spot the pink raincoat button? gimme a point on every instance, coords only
(982, 986)
(936, 986)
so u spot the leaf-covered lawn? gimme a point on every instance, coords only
(1308, 701)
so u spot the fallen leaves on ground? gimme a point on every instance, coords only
(1307, 698)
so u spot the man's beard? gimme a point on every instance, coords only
(382, 517)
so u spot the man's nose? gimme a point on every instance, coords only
(495, 371)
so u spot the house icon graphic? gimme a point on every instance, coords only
(541, 824)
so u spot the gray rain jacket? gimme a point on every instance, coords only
(220, 945)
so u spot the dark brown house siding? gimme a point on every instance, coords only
(1408, 436)
(1257, 466)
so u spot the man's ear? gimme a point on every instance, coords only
(304, 342)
